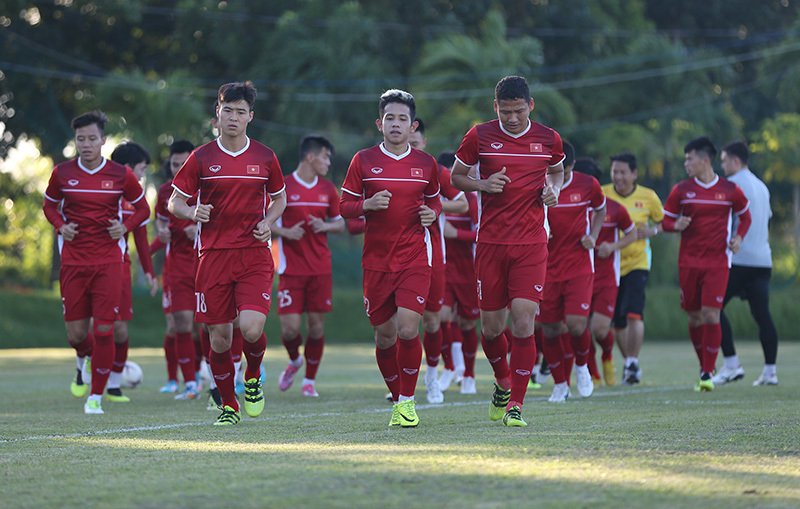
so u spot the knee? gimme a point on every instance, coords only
(120, 332)
(407, 331)
(103, 328)
(522, 327)
(252, 331)
(710, 315)
(465, 324)
(492, 330)
(600, 332)
(430, 322)
(695, 319)
(289, 332)
(551, 331)
(316, 330)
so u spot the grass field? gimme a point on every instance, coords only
(655, 445)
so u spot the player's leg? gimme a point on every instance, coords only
(78, 337)
(731, 370)
(635, 314)
(600, 325)
(523, 357)
(185, 352)
(447, 317)
(315, 345)
(114, 386)
(432, 340)
(577, 304)
(469, 345)
(713, 285)
(551, 316)
(758, 298)
(77, 309)
(291, 339)
(170, 355)
(105, 290)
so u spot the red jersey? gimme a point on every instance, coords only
(704, 243)
(461, 250)
(606, 270)
(515, 216)
(569, 222)
(92, 198)
(439, 249)
(310, 255)
(238, 185)
(394, 239)
(181, 249)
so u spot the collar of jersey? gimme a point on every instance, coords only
(568, 182)
(303, 182)
(709, 185)
(92, 172)
(515, 136)
(234, 154)
(393, 156)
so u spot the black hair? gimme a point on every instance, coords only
(237, 91)
(130, 154)
(314, 144)
(89, 118)
(626, 157)
(447, 159)
(588, 166)
(400, 97)
(181, 147)
(511, 88)
(737, 149)
(701, 144)
(569, 155)
(420, 126)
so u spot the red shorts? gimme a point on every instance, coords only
(570, 297)
(181, 292)
(464, 298)
(507, 272)
(436, 291)
(604, 299)
(305, 294)
(384, 292)
(232, 280)
(125, 296)
(91, 291)
(703, 287)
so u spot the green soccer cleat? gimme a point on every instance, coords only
(534, 385)
(513, 418)
(704, 386)
(253, 397)
(228, 417)
(77, 387)
(116, 396)
(92, 407)
(407, 412)
(497, 407)
(395, 419)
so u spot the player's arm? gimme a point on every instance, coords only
(461, 179)
(674, 220)
(656, 218)
(356, 226)
(596, 224)
(331, 225)
(457, 205)
(432, 199)
(459, 234)
(134, 193)
(553, 180)
(263, 230)
(200, 213)
(53, 200)
(143, 250)
(742, 211)
(156, 245)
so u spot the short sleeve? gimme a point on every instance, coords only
(333, 203)
(131, 190)
(557, 150)
(467, 152)
(353, 182)
(598, 199)
(447, 189)
(656, 210)
(187, 181)
(672, 207)
(433, 189)
(276, 183)
(53, 192)
(162, 212)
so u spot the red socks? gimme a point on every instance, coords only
(569, 355)
(120, 356)
(448, 337)
(607, 344)
(387, 364)
(84, 348)
(581, 345)
(409, 355)
(433, 348)
(185, 355)
(237, 345)
(496, 351)
(591, 362)
(523, 356)
(554, 355)
(102, 360)
(313, 354)
(254, 352)
(293, 347)
(171, 356)
(712, 339)
(469, 348)
(223, 370)
(696, 335)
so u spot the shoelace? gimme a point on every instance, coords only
(228, 416)
(514, 413)
(500, 398)
(252, 392)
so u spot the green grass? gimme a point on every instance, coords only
(655, 445)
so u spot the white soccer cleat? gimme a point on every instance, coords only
(584, 381)
(92, 407)
(468, 385)
(727, 375)
(458, 361)
(766, 379)
(435, 395)
(561, 392)
(446, 379)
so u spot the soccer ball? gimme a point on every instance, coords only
(132, 375)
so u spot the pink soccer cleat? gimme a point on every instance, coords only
(287, 376)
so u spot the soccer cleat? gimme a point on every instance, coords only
(92, 407)
(77, 387)
(448, 375)
(238, 387)
(253, 397)
(389, 397)
(727, 375)
(407, 412)
(434, 393)
(584, 381)
(634, 374)
(468, 385)
(86, 372)
(704, 386)
(533, 384)
(228, 417)
(191, 392)
(766, 379)
(213, 405)
(287, 376)
(170, 387)
(513, 418)
(116, 396)
(395, 419)
(497, 407)
(560, 393)
(310, 391)
(609, 375)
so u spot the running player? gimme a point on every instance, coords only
(396, 188)
(701, 209)
(306, 284)
(240, 194)
(520, 171)
(82, 202)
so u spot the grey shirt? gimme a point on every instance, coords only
(755, 251)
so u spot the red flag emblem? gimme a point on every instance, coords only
(719, 196)
(575, 197)
(107, 184)
(253, 169)
(536, 147)
(416, 172)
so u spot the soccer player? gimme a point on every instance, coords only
(82, 202)
(519, 172)
(240, 194)
(396, 188)
(570, 274)
(306, 284)
(453, 201)
(701, 209)
(181, 259)
(606, 273)
(644, 207)
(751, 270)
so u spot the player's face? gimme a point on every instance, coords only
(417, 140)
(88, 141)
(514, 114)
(233, 117)
(694, 163)
(139, 169)
(176, 161)
(321, 162)
(395, 124)
(729, 163)
(623, 177)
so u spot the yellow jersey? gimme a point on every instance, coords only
(645, 209)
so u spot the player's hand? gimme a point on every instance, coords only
(550, 195)
(152, 282)
(296, 232)
(191, 231)
(262, 232)
(68, 231)
(117, 229)
(378, 201)
(604, 250)
(317, 224)
(164, 234)
(450, 231)
(496, 181)
(202, 213)
(426, 215)
(588, 242)
(682, 223)
(735, 244)
(645, 232)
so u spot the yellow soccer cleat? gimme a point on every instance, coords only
(609, 375)
(228, 417)
(395, 419)
(407, 411)
(704, 386)
(253, 397)
(513, 418)
(497, 407)
(116, 396)
(77, 387)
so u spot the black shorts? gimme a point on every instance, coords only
(630, 299)
(748, 283)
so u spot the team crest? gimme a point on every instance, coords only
(294, 197)
(536, 147)
(690, 194)
(324, 197)
(73, 182)
(416, 172)
(214, 168)
(421, 300)
(106, 184)
(253, 169)
(265, 295)
(719, 196)
(377, 171)
(538, 288)
(638, 205)
(497, 146)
